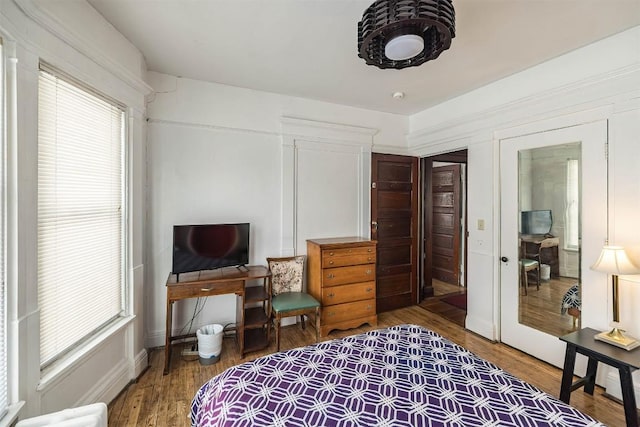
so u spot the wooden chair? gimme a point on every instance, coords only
(527, 265)
(288, 299)
(528, 262)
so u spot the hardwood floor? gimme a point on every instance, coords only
(157, 400)
(436, 305)
(540, 309)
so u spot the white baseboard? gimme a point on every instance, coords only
(140, 363)
(613, 385)
(480, 326)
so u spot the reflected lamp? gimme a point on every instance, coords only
(614, 260)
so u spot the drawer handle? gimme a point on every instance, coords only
(330, 262)
(369, 259)
(205, 289)
(331, 314)
(368, 271)
(369, 289)
(330, 253)
(369, 307)
(330, 276)
(331, 295)
(369, 250)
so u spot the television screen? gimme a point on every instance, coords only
(535, 222)
(209, 246)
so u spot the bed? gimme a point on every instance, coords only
(404, 375)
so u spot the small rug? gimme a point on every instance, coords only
(457, 300)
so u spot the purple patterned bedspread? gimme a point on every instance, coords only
(400, 376)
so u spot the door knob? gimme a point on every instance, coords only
(504, 259)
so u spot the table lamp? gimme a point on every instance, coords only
(614, 260)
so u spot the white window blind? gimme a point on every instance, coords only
(572, 212)
(4, 373)
(80, 213)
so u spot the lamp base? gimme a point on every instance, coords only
(617, 338)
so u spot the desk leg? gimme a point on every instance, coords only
(167, 338)
(567, 373)
(628, 398)
(592, 368)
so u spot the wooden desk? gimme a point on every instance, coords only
(582, 342)
(228, 280)
(546, 247)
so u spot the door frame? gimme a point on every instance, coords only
(426, 166)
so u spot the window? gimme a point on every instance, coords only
(572, 212)
(81, 232)
(4, 371)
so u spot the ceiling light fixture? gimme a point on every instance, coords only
(405, 33)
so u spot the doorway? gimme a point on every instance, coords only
(444, 235)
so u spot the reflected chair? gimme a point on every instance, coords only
(528, 264)
(287, 297)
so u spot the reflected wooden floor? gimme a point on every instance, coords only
(157, 400)
(540, 309)
(436, 305)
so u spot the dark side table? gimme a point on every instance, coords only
(582, 342)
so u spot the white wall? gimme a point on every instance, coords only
(293, 168)
(74, 38)
(598, 82)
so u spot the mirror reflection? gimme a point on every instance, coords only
(549, 238)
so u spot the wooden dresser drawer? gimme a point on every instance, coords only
(348, 293)
(351, 274)
(348, 256)
(348, 311)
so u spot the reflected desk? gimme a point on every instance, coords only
(546, 247)
(227, 280)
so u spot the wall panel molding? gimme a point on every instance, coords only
(344, 141)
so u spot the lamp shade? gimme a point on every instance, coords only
(614, 260)
(405, 33)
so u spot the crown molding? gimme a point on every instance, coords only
(51, 23)
(611, 88)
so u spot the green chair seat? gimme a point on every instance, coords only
(289, 301)
(528, 262)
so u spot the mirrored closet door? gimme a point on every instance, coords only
(542, 269)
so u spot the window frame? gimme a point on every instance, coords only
(88, 343)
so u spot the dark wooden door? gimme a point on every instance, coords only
(445, 228)
(395, 225)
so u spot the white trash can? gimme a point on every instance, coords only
(209, 343)
(545, 272)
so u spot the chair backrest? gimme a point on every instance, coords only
(286, 274)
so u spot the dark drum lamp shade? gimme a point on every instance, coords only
(405, 33)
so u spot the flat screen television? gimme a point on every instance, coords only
(209, 246)
(536, 222)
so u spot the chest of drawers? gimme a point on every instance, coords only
(342, 275)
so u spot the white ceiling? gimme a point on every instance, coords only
(308, 48)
